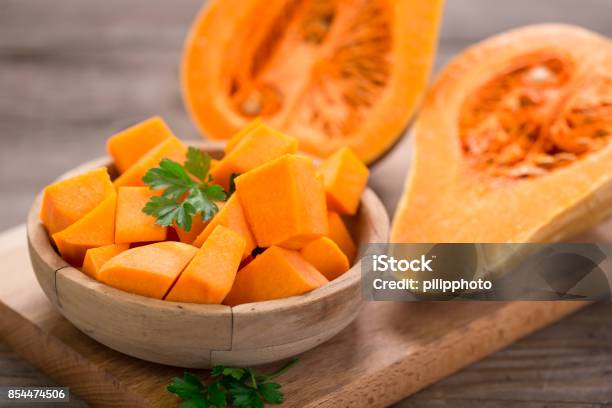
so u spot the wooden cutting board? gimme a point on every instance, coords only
(391, 351)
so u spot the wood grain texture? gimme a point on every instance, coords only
(390, 351)
(74, 72)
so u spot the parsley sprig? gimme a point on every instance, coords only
(188, 190)
(240, 387)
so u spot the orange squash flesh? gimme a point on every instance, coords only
(171, 148)
(210, 275)
(331, 73)
(148, 270)
(291, 213)
(344, 178)
(129, 145)
(258, 146)
(231, 215)
(513, 143)
(325, 255)
(95, 258)
(67, 201)
(276, 273)
(95, 229)
(131, 224)
(341, 235)
(254, 125)
(197, 226)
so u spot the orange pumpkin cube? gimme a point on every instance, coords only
(129, 145)
(95, 229)
(210, 275)
(341, 235)
(148, 270)
(132, 224)
(171, 148)
(276, 273)
(231, 215)
(67, 201)
(344, 177)
(234, 140)
(325, 255)
(284, 202)
(197, 226)
(95, 258)
(258, 145)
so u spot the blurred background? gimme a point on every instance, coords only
(74, 72)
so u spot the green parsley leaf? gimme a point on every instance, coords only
(197, 163)
(244, 387)
(199, 199)
(194, 403)
(216, 396)
(169, 176)
(215, 192)
(168, 211)
(270, 392)
(188, 387)
(183, 197)
(236, 373)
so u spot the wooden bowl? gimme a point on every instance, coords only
(200, 336)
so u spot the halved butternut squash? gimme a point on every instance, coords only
(129, 145)
(67, 201)
(513, 142)
(275, 274)
(148, 270)
(331, 73)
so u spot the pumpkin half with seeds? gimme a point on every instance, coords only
(514, 142)
(332, 73)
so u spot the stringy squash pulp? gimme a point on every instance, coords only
(332, 73)
(514, 142)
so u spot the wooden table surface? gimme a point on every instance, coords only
(73, 72)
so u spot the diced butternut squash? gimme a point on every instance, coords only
(284, 202)
(149, 270)
(197, 226)
(171, 148)
(95, 258)
(344, 177)
(95, 229)
(133, 225)
(327, 257)
(210, 275)
(276, 273)
(129, 145)
(69, 200)
(234, 140)
(231, 215)
(255, 147)
(341, 235)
